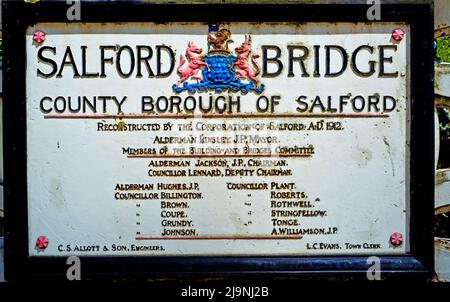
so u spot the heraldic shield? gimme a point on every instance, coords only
(219, 70)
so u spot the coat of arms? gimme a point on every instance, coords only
(220, 70)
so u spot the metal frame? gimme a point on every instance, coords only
(17, 15)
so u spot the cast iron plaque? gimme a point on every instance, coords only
(229, 139)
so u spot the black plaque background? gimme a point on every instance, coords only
(17, 16)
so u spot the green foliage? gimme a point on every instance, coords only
(442, 226)
(443, 49)
(443, 125)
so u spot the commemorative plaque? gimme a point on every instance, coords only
(207, 139)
